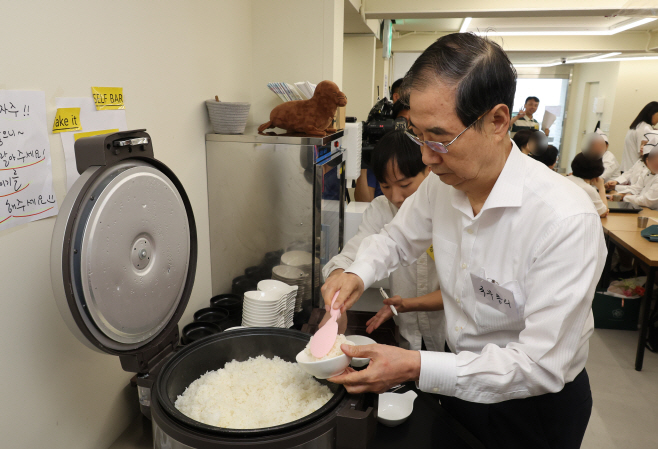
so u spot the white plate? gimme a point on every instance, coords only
(297, 258)
(287, 272)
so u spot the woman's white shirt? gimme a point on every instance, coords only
(417, 279)
(632, 143)
(592, 192)
(611, 165)
(630, 177)
(644, 192)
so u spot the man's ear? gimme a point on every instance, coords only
(499, 117)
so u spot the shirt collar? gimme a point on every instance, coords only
(508, 190)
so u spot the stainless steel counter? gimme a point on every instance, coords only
(251, 135)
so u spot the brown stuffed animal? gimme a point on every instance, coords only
(312, 117)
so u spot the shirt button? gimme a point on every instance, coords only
(457, 328)
(457, 300)
(464, 266)
(435, 390)
(470, 231)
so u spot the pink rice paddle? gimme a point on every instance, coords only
(325, 337)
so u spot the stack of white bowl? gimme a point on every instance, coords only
(303, 260)
(264, 309)
(295, 277)
(289, 294)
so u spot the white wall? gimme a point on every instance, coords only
(636, 86)
(294, 40)
(359, 75)
(169, 56)
(605, 73)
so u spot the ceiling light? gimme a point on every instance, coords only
(465, 24)
(607, 55)
(608, 32)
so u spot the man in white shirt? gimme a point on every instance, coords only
(518, 248)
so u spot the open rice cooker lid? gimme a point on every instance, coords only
(123, 254)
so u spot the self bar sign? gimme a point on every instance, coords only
(106, 98)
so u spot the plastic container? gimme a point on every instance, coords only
(226, 117)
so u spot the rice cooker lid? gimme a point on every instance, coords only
(124, 247)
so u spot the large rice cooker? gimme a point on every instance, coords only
(123, 261)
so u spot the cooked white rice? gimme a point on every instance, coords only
(257, 393)
(335, 349)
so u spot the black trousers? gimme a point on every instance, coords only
(549, 421)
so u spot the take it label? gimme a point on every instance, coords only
(67, 119)
(106, 98)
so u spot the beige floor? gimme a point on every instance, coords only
(625, 413)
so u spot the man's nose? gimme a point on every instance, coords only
(431, 157)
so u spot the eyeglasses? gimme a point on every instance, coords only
(438, 146)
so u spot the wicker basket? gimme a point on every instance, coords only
(227, 118)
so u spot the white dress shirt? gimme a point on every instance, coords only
(644, 192)
(632, 143)
(592, 192)
(612, 169)
(632, 176)
(537, 235)
(417, 279)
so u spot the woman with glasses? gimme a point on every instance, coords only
(518, 251)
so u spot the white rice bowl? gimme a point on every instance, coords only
(253, 394)
(333, 353)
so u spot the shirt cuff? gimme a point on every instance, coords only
(365, 271)
(438, 373)
(628, 198)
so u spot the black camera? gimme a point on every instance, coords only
(381, 120)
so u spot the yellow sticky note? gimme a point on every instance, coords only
(77, 136)
(430, 251)
(67, 119)
(108, 98)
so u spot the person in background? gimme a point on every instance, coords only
(587, 171)
(632, 176)
(645, 191)
(398, 166)
(642, 124)
(530, 141)
(395, 90)
(548, 157)
(612, 168)
(524, 119)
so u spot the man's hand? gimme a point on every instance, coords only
(350, 286)
(388, 366)
(610, 185)
(547, 131)
(385, 313)
(521, 113)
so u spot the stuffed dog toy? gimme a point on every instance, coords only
(313, 117)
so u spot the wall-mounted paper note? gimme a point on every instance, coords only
(67, 119)
(92, 120)
(108, 98)
(26, 178)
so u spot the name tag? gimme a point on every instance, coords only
(494, 295)
(430, 251)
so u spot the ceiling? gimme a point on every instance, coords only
(564, 30)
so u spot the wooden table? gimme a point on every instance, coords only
(622, 233)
